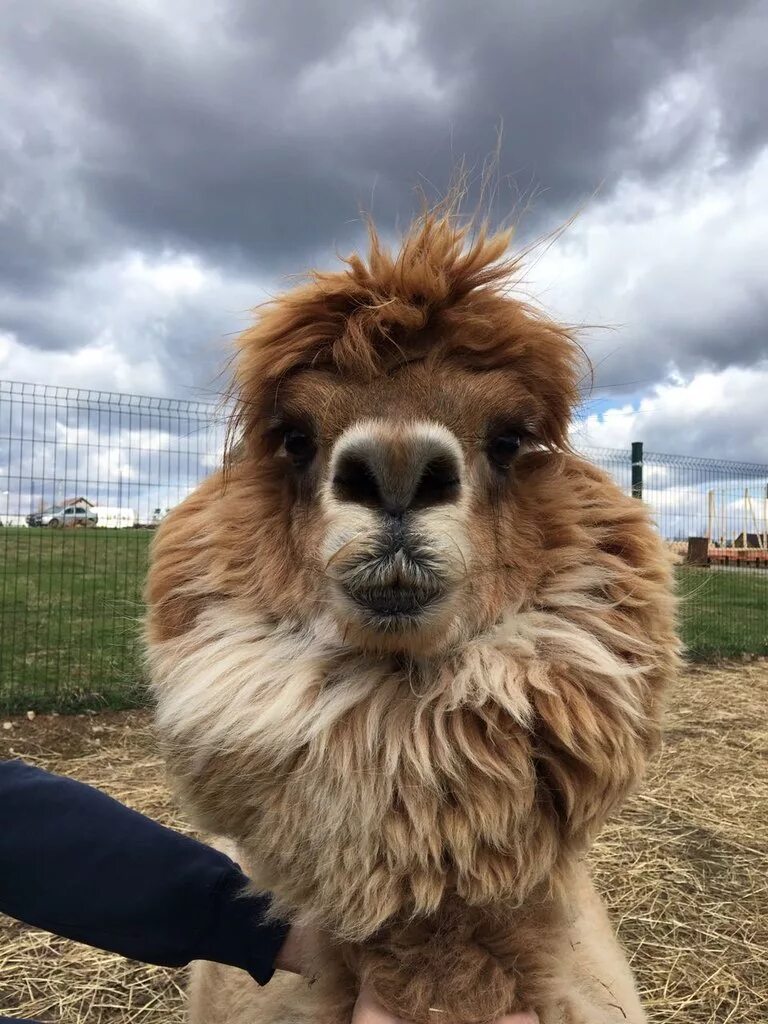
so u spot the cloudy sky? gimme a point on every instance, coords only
(166, 165)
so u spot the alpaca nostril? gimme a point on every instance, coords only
(355, 480)
(395, 479)
(439, 482)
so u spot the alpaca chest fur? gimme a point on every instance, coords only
(366, 787)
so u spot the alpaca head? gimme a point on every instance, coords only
(387, 415)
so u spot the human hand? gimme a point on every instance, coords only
(368, 1010)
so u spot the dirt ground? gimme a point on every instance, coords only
(683, 870)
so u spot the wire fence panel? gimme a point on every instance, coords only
(86, 476)
(713, 516)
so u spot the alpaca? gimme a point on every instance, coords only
(409, 650)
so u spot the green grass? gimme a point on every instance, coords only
(723, 612)
(70, 603)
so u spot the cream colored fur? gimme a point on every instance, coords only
(233, 680)
(602, 988)
(234, 684)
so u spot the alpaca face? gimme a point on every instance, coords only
(385, 485)
(395, 503)
(405, 498)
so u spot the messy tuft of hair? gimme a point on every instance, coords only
(447, 290)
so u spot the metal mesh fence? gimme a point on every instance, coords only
(713, 517)
(85, 477)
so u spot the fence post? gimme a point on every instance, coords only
(637, 469)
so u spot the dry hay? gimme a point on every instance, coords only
(683, 870)
(53, 980)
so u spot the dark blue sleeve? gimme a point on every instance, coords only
(78, 863)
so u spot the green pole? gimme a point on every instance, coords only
(637, 470)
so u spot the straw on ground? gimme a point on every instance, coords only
(683, 870)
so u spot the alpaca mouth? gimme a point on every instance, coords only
(395, 602)
(395, 587)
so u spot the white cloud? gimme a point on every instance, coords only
(675, 269)
(379, 60)
(172, 274)
(100, 365)
(719, 414)
(148, 324)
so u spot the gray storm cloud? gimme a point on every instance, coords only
(163, 167)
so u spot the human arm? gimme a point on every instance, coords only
(78, 863)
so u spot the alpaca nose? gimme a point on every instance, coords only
(413, 472)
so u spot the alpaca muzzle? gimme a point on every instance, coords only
(396, 585)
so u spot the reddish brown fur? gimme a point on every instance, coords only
(503, 734)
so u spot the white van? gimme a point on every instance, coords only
(112, 517)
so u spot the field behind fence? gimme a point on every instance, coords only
(112, 465)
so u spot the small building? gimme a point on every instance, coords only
(753, 540)
(74, 502)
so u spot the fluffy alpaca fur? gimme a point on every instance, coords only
(422, 786)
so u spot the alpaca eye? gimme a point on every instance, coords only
(299, 446)
(502, 448)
